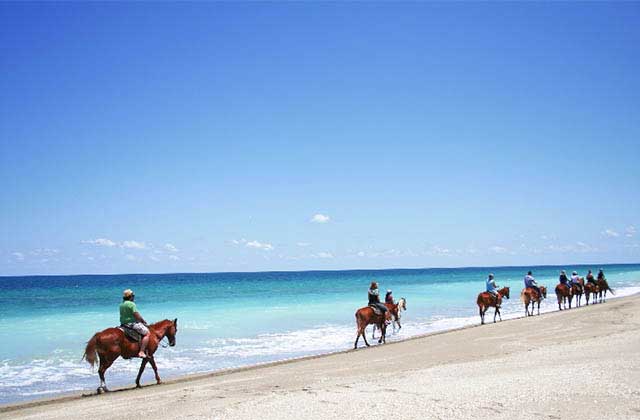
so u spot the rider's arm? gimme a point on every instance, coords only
(139, 317)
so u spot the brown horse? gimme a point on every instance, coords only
(486, 300)
(396, 312)
(577, 290)
(529, 295)
(111, 343)
(591, 290)
(366, 316)
(603, 287)
(563, 293)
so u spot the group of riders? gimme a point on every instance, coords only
(530, 282)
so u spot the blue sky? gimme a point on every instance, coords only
(242, 137)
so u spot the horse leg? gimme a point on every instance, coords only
(152, 360)
(481, 315)
(494, 314)
(373, 333)
(499, 315)
(105, 362)
(364, 336)
(142, 366)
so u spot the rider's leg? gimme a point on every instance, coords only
(143, 346)
(537, 289)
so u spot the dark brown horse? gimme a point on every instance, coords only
(366, 316)
(577, 290)
(603, 287)
(111, 343)
(529, 295)
(486, 300)
(591, 290)
(563, 293)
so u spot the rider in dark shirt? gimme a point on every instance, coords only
(590, 278)
(374, 298)
(563, 278)
(388, 298)
(601, 275)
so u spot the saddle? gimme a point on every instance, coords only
(130, 333)
(376, 310)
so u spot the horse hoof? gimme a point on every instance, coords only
(138, 386)
(159, 382)
(99, 390)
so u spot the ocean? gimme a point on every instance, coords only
(234, 319)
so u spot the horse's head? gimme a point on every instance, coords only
(171, 331)
(543, 289)
(402, 303)
(505, 292)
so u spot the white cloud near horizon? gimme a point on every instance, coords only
(320, 218)
(259, 245)
(100, 242)
(18, 255)
(170, 247)
(610, 233)
(630, 231)
(323, 255)
(303, 244)
(133, 245)
(498, 249)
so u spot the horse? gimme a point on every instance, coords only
(111, 343)
(366, 316)
(563, 293)
(577, 290)
(603, 287)
(486, 300)
(529, 295)
(396, 313)
(591, 290)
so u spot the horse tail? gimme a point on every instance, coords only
(90, 353)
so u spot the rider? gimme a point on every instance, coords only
(529, 281)
(575, 280)
(590, 278)
(374, 298)
(563, 279)
(131, 318)
(492, 287)
(601, 275)
(388, 298)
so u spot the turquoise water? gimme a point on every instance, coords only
(231, 319)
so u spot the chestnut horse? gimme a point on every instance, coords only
(396, 313)
(111, 343)
(577, 290)
(366, 316)
(529, 295)
(603, 286)
(591, 290)
(563, 293)
(486, 300)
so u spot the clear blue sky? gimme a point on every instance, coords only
(207, 137)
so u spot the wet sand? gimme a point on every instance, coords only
(583, 363)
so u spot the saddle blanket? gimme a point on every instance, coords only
(130, 333)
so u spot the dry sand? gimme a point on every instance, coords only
(582, 364)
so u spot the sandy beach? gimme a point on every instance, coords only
(583, 363)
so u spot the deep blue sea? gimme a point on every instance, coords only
(232, 319)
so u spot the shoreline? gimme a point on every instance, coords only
(220, 375)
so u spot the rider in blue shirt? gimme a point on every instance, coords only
(529, 281)
(492, 287)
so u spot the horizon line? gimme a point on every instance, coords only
(312, 270)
